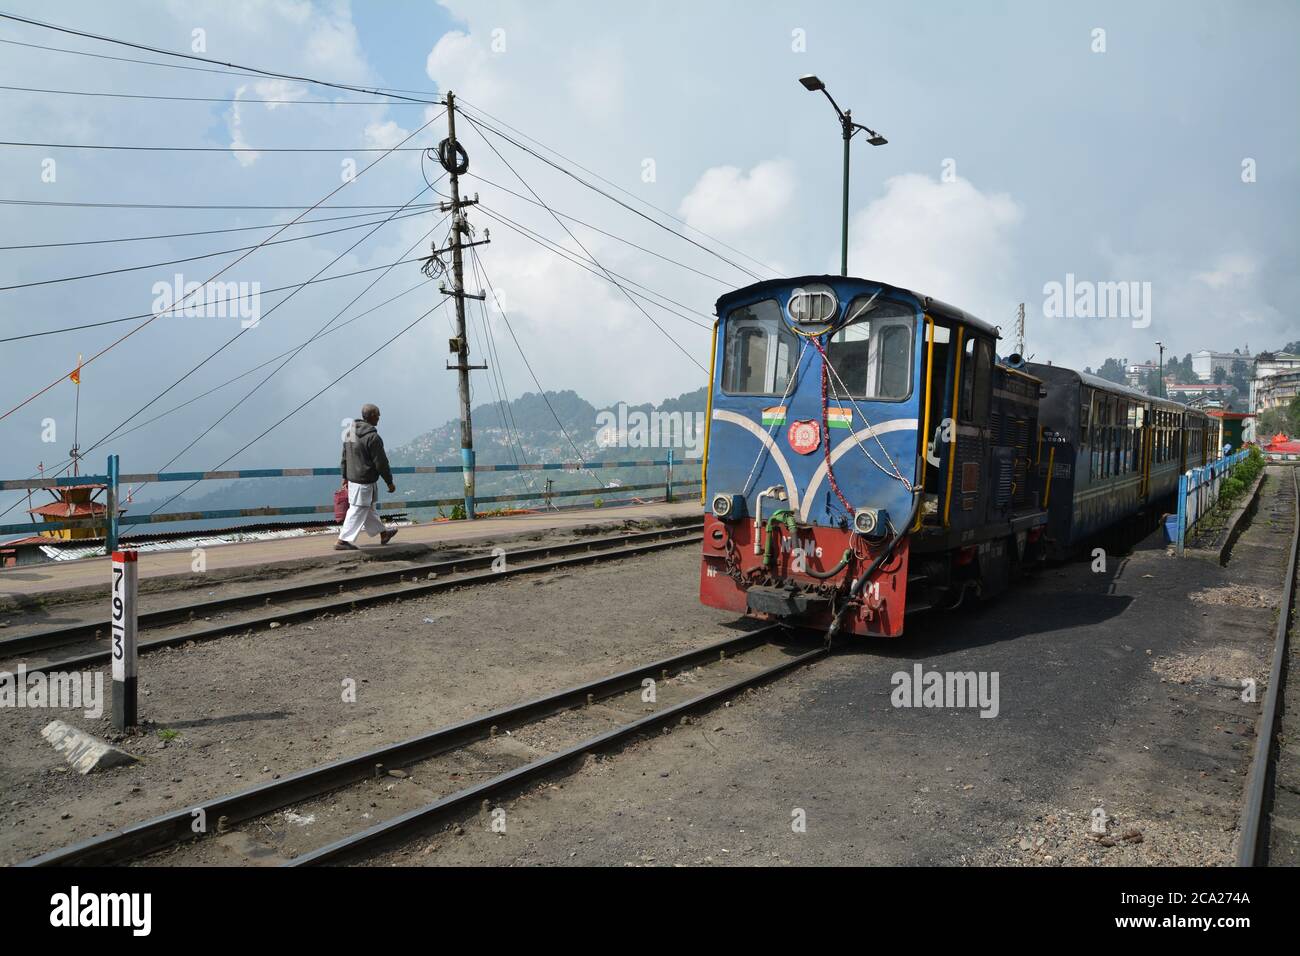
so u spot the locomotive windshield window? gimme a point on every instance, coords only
(872, 351)
(759, 351)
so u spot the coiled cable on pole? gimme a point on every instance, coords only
(452, 156)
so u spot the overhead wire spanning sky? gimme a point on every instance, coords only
(1018, 155)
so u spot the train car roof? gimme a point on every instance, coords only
(934, 306)
(1105, 384)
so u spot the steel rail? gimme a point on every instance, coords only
(540, 558)
(177, 826)
(1250, 852)
(401, 827)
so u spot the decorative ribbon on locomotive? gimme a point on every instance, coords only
(868, 454)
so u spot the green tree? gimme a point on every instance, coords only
(1238, 377)
(1220, 375)
(1112, 370)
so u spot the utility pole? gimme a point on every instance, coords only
(456, 161)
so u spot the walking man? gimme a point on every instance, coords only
(364, 463)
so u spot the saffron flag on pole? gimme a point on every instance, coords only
(76, 373)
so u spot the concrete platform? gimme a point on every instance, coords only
(41, 581)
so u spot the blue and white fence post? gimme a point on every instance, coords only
(1182, 510)
(668, 491)
(110, 536)
(125, 580)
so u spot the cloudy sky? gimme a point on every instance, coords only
(1127, 142)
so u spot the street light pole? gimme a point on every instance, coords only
(1160, 382)
(846, 125)
(848, 129)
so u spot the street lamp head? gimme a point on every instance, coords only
(877, 140)
(811, 83)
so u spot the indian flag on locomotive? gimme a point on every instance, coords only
(839, 417)
(774, 416)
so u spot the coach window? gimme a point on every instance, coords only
(871, 354)
(1126, 410)
(1112, 416)
(1098, 434)
(759, 351)
(1131, 439)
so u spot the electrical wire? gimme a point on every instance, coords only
(295, 352)
(216, 275)
(187, 235)
(690, 358)
(206, 255)
(186, 206)
(207, 99)
(461, 101)
(236, 298)
(609, 235)
(221, 149)
(479, 125)
(315, 396)
(496, 375)
(221, 348)
(573, 257)
(201, 59)
(528, 365)
(262, 365)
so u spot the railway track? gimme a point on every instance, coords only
(1253, 835)
(309, 600)
(429, 768)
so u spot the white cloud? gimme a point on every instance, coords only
(944, 239)
(726, 200)
(275, 90)
(461, 61)
(1230, 269)
(385, 135)
(235, 125)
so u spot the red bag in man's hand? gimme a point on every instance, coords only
(341, 503)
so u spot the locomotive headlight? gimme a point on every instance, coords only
(869, 522)
(728, 506)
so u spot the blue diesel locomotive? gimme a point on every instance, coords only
(869, 454)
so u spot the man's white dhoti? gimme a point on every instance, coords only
(362, 514)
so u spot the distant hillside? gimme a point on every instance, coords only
(525, 431)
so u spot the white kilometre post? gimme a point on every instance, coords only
(124, 640)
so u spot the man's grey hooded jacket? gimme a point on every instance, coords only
(364, 461)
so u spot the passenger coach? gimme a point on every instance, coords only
(1115, 455)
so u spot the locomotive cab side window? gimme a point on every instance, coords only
(759, 351)
(872, 352)
(976, 377)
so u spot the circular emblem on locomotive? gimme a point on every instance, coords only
(805, 437)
